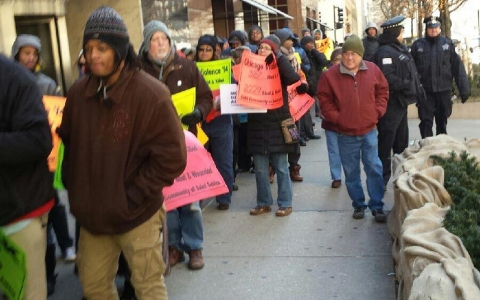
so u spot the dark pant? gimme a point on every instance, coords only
(57, 223)
(220, 145)
(244, 158)
(438, 106)
(392, 135)
(306, 125)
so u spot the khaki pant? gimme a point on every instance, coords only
(33, 240)
(97, 261)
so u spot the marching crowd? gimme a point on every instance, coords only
(124, 141)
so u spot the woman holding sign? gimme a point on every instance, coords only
(265, 138)
(218, 128)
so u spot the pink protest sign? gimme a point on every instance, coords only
(259, 85)
(298, 104)
(200, 180)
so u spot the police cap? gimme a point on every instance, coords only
(393, 22)
(432, 22)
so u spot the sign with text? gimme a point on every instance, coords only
(216, 72)
(54, 107)
(200, 180)
(259, 85)
(325, 46)
(229, 105)
(298, 104)
(13, 268)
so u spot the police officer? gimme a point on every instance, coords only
(396, 63)
(437, 63)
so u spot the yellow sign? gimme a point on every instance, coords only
(216, 72)
(184, 102)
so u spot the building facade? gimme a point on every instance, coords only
(60, 23)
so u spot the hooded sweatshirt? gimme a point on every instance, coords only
(46, 84)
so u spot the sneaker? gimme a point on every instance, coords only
(359, 213)
(379, 215)
(235, 187)
(69, 255)
(258, 210)
(175, 256)
(283, 211)
(196, 260)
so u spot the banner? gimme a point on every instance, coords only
(229, 105)
(298, 104)
(54, 107)
(13, 268)
(200, 180)
(259, 85)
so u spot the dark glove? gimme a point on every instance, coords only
(192, 118)
(464, 98)
(302, 88)
(269, 59)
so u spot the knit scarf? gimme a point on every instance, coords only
(291, 58)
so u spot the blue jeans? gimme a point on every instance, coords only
(220, 145)
(264, 193)
(333, 155)
(185, 227)
(351, 149)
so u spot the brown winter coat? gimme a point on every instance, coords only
(119, 157)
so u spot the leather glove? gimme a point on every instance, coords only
(464, 98)
(269, 59)
(192, 118)
(302, 88)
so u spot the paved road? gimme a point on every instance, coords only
(318, 252)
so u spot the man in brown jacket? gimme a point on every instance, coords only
(159, 58)
(118, 158)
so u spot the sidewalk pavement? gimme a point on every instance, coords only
(318, 252)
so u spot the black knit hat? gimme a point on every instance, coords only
(207, 39)
(307, 39)
(107, 25)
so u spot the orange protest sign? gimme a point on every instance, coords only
(54, 107)
(259, 85)
(200, 179)
(236, 69)
(298, 104)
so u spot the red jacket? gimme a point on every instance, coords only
(353, 102)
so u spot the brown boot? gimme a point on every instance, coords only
(175, 256)
(196, 260)
(271, 172)
(295, 173)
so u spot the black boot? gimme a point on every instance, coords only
(50, 264)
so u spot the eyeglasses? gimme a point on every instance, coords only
(205, 49)
(265, 48)
(350, 54)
